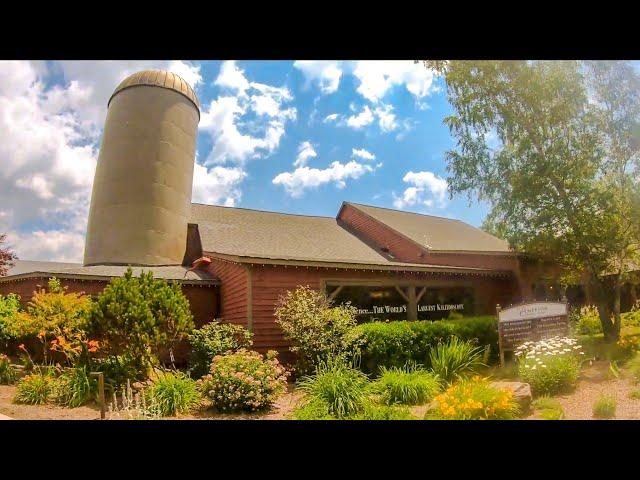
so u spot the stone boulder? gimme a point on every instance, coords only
(521, 392)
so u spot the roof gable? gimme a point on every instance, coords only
(435, 233)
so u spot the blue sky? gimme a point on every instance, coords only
(296, 137)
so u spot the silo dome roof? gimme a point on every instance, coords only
(159, 78)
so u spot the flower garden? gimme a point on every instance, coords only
(52, 349)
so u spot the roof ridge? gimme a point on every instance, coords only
(263, 211)
(409, 212)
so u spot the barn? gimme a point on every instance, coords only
(234, 263)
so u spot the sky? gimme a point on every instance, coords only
(286, 136)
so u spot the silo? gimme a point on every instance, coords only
(141, 196)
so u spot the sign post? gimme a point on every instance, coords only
(530, 321)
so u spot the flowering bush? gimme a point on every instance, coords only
(244, 380)
(588, 321)
(317, 330)
(213, 339)
(626, 347)
(550, 366)
(35, 389)
(474, 399)
(8, 374)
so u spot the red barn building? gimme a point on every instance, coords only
(234, 263)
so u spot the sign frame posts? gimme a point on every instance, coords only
(530, 321)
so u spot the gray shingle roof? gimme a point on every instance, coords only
(442, 234)
(171, 272)
(254, 233)
(240, 232)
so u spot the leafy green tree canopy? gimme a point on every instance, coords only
(553, 147)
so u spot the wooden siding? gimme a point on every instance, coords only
(233, 291)
(269, 282)
(202, 299)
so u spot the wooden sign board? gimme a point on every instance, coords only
(530, 321)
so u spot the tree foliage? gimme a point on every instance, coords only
(141, 316)
(6, 256)
(553, 147)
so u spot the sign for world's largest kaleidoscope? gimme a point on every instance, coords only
(530, 322)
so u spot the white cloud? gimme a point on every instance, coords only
(58, 245)
(217, 185)
(331, 118)
(225, 115)
(49, 138)
(326, 74)
(377, 77)
(426, 188)
(305, 152)
(362, 119)
(232, 77)
(304, 178)
(386, 119)
(362, 153)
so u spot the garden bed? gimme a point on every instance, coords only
(595, 380)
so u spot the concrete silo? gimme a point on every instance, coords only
(141, 197)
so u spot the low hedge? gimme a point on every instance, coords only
(393, 344)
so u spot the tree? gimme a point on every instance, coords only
(562, 179)
(6, 256)
(141, 316)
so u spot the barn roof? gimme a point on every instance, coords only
(441, 234)
(254, 234)
(33, 268)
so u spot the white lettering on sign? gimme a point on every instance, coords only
(533, 310)
(441, 307)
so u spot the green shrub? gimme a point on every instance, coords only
(373, 411)
(9, 309)
(632, 318)
(244, 380)
(174, 393)
(8, 374)
(318, 331)
(548, 408)
(141, 316)
(633, 366)
(213, 339)
(393, 344)
(343, 389)
(550, 366)
(635, 394)
(588, 321)
(35, 389)
(409, 385)
(74, 387)
(455, 359)
(315, 409)
(117, 369)
(604, 407)
(474, 399)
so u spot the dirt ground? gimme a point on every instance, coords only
(596, 380)
(285, 404)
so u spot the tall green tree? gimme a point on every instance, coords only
(553, 147)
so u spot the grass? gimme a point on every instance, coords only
(549, 408)
(74, 387)
(635, 394)
(604, 407)
(455, 359)
(341, 388)
(410, 385)
(373, 411)
(173, 393)
(633, 366)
